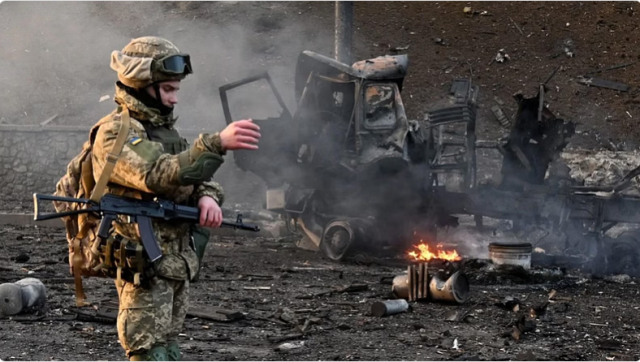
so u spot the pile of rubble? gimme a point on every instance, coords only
(602, 167)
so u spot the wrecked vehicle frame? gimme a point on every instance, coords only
(334, 165)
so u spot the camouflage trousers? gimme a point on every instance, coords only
(151, 316)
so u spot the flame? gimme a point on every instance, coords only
(424, 254)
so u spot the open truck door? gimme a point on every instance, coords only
(275, 160)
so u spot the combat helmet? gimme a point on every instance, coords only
(149, 60)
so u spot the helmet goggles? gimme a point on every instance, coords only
(175, 64)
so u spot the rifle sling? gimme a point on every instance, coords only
(113, 156)
(98, 191)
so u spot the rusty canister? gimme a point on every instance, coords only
(400, 286)
(454, 289)
(389, 307)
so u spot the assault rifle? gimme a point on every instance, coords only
(138, 211)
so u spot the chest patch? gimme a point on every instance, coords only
(134, 141)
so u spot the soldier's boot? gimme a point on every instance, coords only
(173, 351)
(157, 353)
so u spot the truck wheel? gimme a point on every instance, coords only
(337, 240)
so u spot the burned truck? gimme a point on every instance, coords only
(347, 168)
(349, 171)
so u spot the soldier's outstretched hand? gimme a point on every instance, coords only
(240, 135)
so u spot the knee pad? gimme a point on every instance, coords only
(173, 351)
(201, 170)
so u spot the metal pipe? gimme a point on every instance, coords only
(344, 31)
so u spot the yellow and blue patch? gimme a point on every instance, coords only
(135, 140)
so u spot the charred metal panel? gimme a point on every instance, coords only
(309, 62)
(540, 204)
(535, 138)
(382, 68)
(276, 161)
(452, 137)
(379, 112)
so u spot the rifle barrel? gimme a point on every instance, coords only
(247, 227)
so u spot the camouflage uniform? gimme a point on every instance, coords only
(151, 317)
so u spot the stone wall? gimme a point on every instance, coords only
(33, 158)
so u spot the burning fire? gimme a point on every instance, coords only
(424, 254)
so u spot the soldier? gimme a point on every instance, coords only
(156, 161)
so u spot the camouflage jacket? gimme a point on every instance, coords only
(144, 170)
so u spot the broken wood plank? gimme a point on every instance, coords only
(214, 313)
(517, 27)
(257, 288)
(311, 269)
(603, 83)
(314, 295)
(256, 276)
(288, 337)
(561, 299)
(305, 310)
(345, 289)
(212, 339)
(611, 68)
(315, 286)
(106, 317)
(43, 318)
(353, 288)
(216, 280)
(349, 304)
(109, 310)
(551, 75)
(521, 157)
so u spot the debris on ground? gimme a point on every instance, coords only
(270, 325)
(440, 41)
(500, 116)
(290, 345)
(24, 296)
(568, 48)
(501, 57)
(603, 83)
(620, 278)
(389, 307)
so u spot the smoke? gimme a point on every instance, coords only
(55, 60)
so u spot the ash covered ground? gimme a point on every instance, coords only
(283, 294)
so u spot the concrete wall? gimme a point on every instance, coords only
(33, 158)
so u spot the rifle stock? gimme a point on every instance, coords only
(38, 216)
